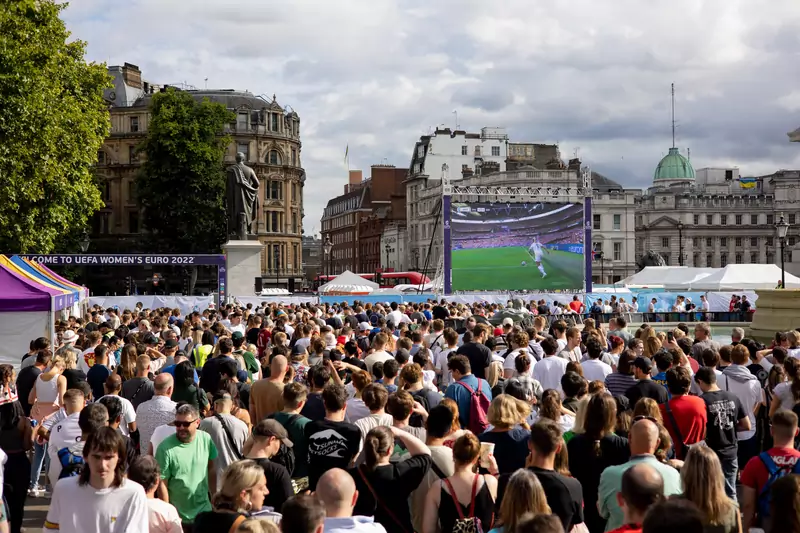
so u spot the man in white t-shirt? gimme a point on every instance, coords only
(66, 444)
(593, 368)
(65, 432)
(113, 387)
(551, 368)
(380, 354)
(108, 502)
(443, 373)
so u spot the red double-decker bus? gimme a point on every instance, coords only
(387, 279)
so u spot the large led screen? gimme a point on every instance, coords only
(514, 247)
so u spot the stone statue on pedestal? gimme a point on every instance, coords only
(242, 198)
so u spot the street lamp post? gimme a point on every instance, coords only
(327, 247)
(599, 256)
(782, 228)
(387, 248)
(416, 260)
(680, 243)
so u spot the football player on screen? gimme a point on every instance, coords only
(536, 249)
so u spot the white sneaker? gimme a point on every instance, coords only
(34, 492)
(544, 275)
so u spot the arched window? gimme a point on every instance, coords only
(274, 158)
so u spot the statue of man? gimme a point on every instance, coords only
(242, 197)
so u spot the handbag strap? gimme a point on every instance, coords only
(379, 501)
(471, 501)
(236, 523)
(232, 442)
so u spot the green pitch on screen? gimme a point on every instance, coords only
(500, 269)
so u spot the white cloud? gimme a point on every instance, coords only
(378, 73)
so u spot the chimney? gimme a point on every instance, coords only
(356, 177)
(132, 75)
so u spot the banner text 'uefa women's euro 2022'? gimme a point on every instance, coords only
(507, 247)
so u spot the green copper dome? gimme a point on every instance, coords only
(674, 167)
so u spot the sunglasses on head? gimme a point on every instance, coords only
(182, 424)
(644, 417)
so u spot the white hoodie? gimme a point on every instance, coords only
(353, 524)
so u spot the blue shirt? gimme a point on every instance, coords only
(428, 314)
(171, 371)
(462, 396)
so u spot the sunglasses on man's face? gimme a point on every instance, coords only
(182, 424)
(643, 417)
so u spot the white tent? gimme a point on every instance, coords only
(348, 283)
(653, 277)
(745, 277)
(690, 279)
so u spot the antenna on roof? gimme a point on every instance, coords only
(689, 154)
(673, 115)
(206, 82)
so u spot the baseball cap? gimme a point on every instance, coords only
(643, 363)
(106, 325)
(298, 349)
(508, 321)
(150, 339)
(170, 343)
(497, 332)
(272, 428)
(364, 326)
(237, 335)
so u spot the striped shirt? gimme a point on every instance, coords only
(617, 383)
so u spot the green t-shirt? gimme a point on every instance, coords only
(184, 467)
(250, 362)
(295, 426)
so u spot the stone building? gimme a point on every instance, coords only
(266, 132)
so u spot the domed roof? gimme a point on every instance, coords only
(674, 167)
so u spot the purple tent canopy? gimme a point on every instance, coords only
(20, 294)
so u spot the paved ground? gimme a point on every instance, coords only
(35, 513)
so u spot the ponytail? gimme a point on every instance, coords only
(377, 444)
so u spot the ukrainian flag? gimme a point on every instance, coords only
(747, 183)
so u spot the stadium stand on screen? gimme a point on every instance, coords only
(502, 246)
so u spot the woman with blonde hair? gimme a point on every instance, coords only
(494, 376)
(46, 397)
(651, 347)
(258, 525)
(465, 494)
(524, 497)
(72, 373)
(241, 491)
(509, 438)
(127, 362)
(704, 485)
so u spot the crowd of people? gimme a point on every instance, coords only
(372, 418)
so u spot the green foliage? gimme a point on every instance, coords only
(181, 185)
(53, 120)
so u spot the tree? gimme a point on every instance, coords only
(53, 120)
(181, 185)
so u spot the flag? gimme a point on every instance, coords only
(346, 153)
(747, 183)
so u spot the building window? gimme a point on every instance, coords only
(753, 258)
(244, 148)
(275, 190)
(709, 260)
(770, 241)
(295, 229)
(273, 222)
(666, 258)
(101, 157)
(134, 124)
(770, 220)
(709, 242)
(770, 258)
(595, 221)
(792, 218)
(242, 119)
(617, 251)
(792, 240)
(738, 242)
(464, 150)
(276, 254)
(294, 157)
(709, 219)
(133, 222)
(496, 151)
(696, 242)
(296, 258)
(697, 220)
(132, 156)
(738, 220)
(274, 158)
(723, 260)
(723, 220)
(695, 260)
(754, 220)
(723, 241)
(107, 192)
(617, 222)
(131, 191)
(739, 259)
(753, 241)
(665, 242)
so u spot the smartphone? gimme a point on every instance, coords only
(670, 336)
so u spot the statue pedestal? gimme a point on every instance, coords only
(243, 265)
(776, 310)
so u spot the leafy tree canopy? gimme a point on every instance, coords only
(181, 185)
(53, 120)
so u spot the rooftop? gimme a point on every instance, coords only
(674, 167)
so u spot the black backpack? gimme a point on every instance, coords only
(285, 455)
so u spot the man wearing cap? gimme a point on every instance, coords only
(264, 443)
(228, 433)
(645, 387)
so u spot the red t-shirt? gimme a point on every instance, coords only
(694, 364)
(755, 474)
(628, 528)
(690, 415)
(575, 306)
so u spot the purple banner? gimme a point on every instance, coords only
(446, 247)
(588, 248)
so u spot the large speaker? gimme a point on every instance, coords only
(291, 285)
(259, 284)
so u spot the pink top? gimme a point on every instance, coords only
(163, 517)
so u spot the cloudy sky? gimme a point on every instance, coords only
(591, 75)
